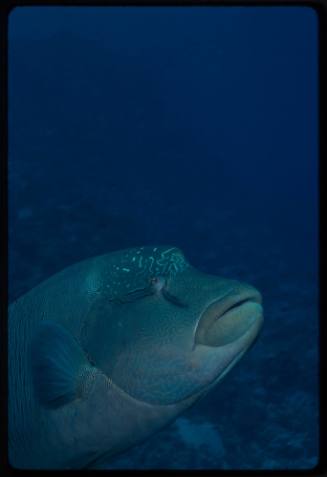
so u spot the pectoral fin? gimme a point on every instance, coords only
(60, 369)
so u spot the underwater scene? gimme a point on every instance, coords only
(169, 156)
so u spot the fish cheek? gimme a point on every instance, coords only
(94, 330)
(143, 347)
(154, 365)
(108, 329)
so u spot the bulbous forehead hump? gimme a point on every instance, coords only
(163, 260)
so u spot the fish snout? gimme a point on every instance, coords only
(229, 318)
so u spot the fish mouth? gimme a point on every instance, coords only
(228, 319)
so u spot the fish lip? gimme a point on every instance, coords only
(222, 306)
(253, 333)
(254, 297)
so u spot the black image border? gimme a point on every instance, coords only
(320, 7)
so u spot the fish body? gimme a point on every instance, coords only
(111, 349)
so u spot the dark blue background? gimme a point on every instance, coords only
(195, 127)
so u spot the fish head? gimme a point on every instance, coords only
(169, 331)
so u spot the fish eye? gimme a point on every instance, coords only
(158, 282)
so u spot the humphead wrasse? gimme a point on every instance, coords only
(111, 349)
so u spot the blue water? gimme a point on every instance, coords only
(195, 127)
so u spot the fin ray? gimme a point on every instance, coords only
(57, 360)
